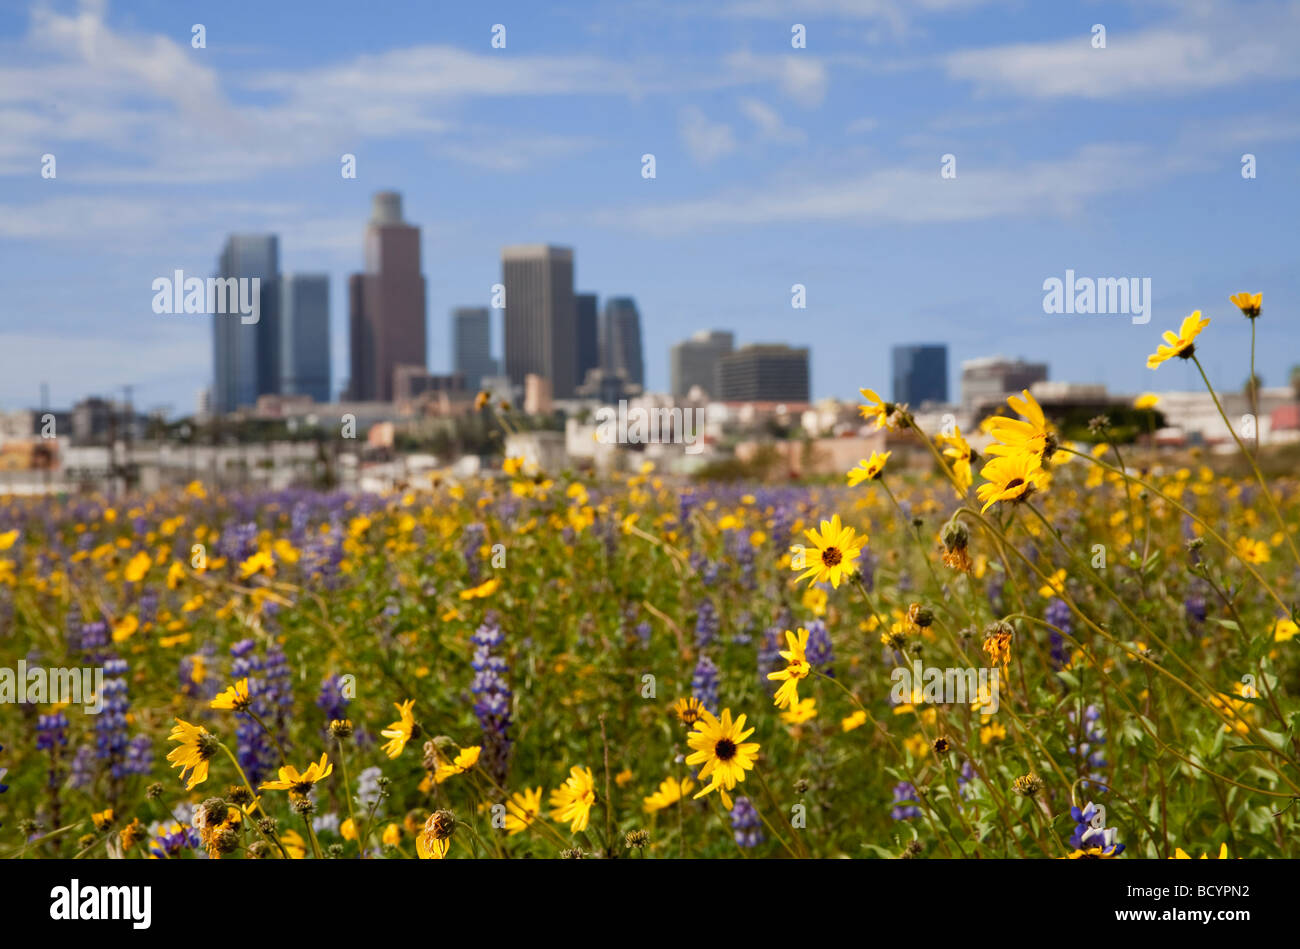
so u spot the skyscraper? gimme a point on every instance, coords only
(471, 344)
(386, 303)
(763, 372)
(620, 339)
(695, 360)
(246, 356)
(540, 316)
(588, 335)
(991, 379)
(305, 335)
(920, 373)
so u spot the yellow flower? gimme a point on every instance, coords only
(235, 698)
(877, 408)
(1181, 344)
(401, 731)
(1009, 478)
(348, 829)
(670, 792)
(137, 567)
(482, 591)
(1147, 400)
(392, 835)
(1181, 854)
(796, 670)
(1031, 435)
(837, 547)
(572, 800)
(434, 841)
(125, 628)
(992, 732)
(998, 647)
(856, 720)
(102, 819)
(1249, 303)
(1285, 630)
(868, 469)
(1252, 551)
(719, 745)
(260, 562)
(299, 783)
(1054, 586)
(688, 710)
(8, 538)
(962, 456)
(799, 712)
(522, 809)
(294, 845)
(466, 758)
(195, 749)
(814, 598)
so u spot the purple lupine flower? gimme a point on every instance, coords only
(331, 699)
(706, 623)
(81, 774)
(1090, 831)
(1058, 615)
(743, 633)
(745, 823)
(494, 698)
(769, 654)
(867, 567)
(704, 683)
(471, 540)
(1089, 739)
(905, 800)
(51, 731)
(255, 754)
(820, 652)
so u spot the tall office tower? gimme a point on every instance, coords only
(246, 356)
(540, 316)
(588, 335)
(386, 303)
(991, 379)
(471, 344)
(695, 360)
(763, 372)
(305, 335)
(920, 373)
(620, 339)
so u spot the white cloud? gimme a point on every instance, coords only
(911, 195)
(1214, 49)
(706, 141)
(800, 76)
(769, 123)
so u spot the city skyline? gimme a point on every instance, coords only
(775, 167)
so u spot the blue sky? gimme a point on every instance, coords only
(775, 166)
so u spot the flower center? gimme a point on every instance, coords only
(831, 556)
(725, 749)
(1015, 483)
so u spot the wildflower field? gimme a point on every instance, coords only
(1045, 649)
